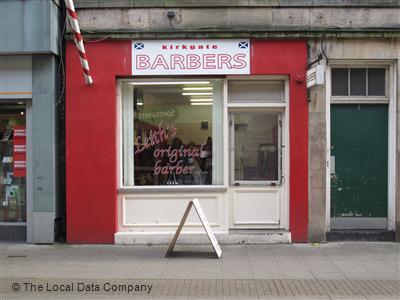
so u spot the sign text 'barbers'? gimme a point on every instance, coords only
(191, 57)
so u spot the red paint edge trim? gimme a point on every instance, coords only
(91, 141)
(290, 58)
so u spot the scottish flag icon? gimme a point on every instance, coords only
(139, 46)
(243, 45)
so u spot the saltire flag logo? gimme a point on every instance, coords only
(139, 46)
(243, 45)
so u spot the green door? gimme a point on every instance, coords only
(359, 166)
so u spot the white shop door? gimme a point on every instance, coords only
(257, 188)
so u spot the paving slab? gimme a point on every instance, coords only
(351, 270)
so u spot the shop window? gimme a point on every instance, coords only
(358, 81)
(172, 133)
(12, 163)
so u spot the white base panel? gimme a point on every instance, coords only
(186, 238)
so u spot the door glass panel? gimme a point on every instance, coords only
(256, 149)
(12, 163)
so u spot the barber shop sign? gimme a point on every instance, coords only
(191, 57)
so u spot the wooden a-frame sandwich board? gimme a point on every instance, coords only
(204, 222)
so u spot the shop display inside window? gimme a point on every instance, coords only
(12, 163)
(174, 130)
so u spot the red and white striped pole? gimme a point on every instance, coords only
(73, 20)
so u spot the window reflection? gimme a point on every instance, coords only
(12, 163)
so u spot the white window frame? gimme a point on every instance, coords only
(224, 190)
(343, 99)
(284, 108)
(277, 182)
(120, 153)
(391, 100)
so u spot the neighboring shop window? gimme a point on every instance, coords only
(172, 133)
(12, 163)
(358, 82)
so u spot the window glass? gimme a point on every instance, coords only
(12, 163)
(340, 82)
(172, 133)
(358, 83)
(256, 150)
(256, 91)
(376, 82)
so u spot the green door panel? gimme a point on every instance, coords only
(359, 143)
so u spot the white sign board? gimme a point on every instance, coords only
(206, 227)
(316, 76)
(191, 57)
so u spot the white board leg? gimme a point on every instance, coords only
(178, 231)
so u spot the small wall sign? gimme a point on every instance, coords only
(191, 57)
(316, 76)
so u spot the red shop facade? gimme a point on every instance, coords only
(167, 121)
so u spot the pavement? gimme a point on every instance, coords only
(348, 270)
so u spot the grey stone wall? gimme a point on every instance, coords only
(155, 19)
(388, 51)
(222, 18)
(398, 147)
(317, 158)
(234, 3)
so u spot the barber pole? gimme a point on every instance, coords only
(73, 20)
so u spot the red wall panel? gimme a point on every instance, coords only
(92, 134)
(91, 141)
(290, 58)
